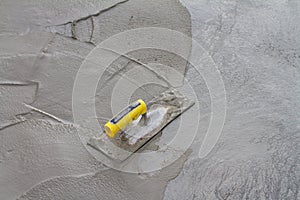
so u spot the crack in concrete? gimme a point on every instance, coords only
(35, 138)
(69, 28)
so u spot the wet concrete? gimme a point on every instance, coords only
(39, 59)
(35, 150)
(13, 97)
(256, 46)
(107, 184)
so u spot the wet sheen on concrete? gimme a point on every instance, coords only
(39, 59)
(255, 45)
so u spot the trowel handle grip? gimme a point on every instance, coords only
(125, 117)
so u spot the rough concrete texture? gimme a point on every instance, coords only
(256, 46)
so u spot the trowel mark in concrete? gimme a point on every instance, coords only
(17, 184)
(55, 70)
(130, 15)
(13, 96)
(66, 55)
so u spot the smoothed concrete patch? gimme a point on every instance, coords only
(35, 150)
(107, 184)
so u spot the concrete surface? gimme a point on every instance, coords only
(257, 48)
(254, 43)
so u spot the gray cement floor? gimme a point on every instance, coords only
(255, 45)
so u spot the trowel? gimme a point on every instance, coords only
(138, 123)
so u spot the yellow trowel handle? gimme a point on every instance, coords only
(125, 117)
